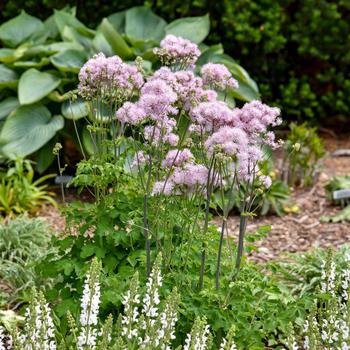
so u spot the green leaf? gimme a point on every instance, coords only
(118, 21)
(75, 109)
(27, 129)
(34, 85)
(64, 19)
(8, 77)
(141, 24)
(87, 141)
(195, 29)
(18, 29)
(69, 60)
(101, 44)
(115, 40)
(7, 106)
(62, 46)
(71, 34)
(34, 63)
(45, 156)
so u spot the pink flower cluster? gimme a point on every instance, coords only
(189, 88)
(218, 76)
(229, 140)
(184, 180)
(177, 51)
(177, 158)
(156, 106)
(108, 77)
(212, 115)
(256, 117)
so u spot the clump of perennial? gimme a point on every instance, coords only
(177, 51)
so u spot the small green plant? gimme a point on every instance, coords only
(303, 151)
(338, 183)
(23, 242)
(19, 192)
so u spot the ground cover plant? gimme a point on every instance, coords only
(23, 242)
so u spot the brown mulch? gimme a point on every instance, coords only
(292, 232)
(304, 230)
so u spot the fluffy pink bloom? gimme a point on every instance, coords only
(256, 117)
(218, 76)
(177, 51)
(108, 78)
(266, 181)
(213, 115)
(160, 187)
(161, 132)
(177, 158)
(157, 99)
(228, 140)
(130, 113)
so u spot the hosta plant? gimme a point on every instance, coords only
(40, 61)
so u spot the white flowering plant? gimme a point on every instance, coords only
(328, 322)
(146, 323)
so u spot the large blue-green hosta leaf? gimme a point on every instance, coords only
(27, 129)
(141, 24)
(8, 77)
(19, 29)
(7, 106)
(63, 19)
(35, 85)
(75, 109)
(115, 41)
(195, 29)
(69, 60)
(118, 21)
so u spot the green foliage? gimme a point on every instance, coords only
(303, 151)
(19, 192)
(294, 49)
(23, 242)
(301, 272)
(335, 184)
(338, 183)
(40, 61)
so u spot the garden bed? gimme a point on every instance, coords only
(295, 232)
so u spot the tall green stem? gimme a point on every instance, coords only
(242, 229)
(145, 220)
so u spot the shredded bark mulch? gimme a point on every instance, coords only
(293, 232)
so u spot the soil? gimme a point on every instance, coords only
(293, 232)
(304, 230)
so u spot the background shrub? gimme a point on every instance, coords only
(296, 50)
